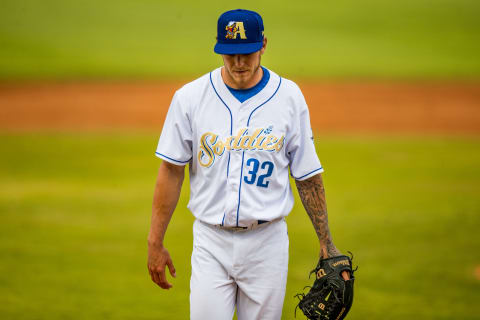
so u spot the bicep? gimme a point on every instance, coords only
(175, 143)
(169, 172)
(304, 162)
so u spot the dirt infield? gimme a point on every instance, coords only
(335, 107)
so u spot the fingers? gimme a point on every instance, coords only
(155, 277)
(158, 259)
(171, 268)
(162, 280)
(158, 276)
(345, 275)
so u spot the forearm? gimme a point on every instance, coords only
(165, 198)
(312, 194)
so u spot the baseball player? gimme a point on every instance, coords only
(240, 128)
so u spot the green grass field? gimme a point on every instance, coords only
(65, 39)
(75, 215)
(75, 207)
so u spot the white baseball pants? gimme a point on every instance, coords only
(246, 269)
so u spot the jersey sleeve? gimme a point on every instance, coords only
(304, 162)
(175, 143)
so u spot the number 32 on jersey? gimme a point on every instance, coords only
(258, 173)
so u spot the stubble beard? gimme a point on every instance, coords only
(245, 82)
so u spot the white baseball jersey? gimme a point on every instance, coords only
(239, 154)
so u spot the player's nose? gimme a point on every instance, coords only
(239, 59)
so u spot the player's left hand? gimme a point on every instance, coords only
(331, 295)
(345, 275)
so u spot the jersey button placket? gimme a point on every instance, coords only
(233, 183)
(231, 210)
(242, 124)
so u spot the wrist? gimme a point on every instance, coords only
(329, 250)
(154, 241)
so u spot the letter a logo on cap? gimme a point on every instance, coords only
(233, 28)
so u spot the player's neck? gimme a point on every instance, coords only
(242, 84)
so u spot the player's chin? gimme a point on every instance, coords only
(242, 74)
(243, 77)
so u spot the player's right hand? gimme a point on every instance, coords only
(158, 259)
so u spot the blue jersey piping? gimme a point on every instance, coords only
(307, 173)
(231, 129)
(231, 119)
(160, 154)
(243, 153)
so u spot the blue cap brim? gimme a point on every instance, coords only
(237, 48)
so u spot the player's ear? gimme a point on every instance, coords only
(264, 46)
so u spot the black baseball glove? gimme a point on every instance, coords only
(331, 296)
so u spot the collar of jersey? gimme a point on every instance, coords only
(252, 102)
(241, 94)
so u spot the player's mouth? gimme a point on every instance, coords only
(240, 71)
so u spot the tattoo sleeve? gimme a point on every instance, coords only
(312, 193)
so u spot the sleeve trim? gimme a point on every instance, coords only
(305, 175)
(168, 158)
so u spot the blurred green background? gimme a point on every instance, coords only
(152, 38)
(75, 206)
(75, 215)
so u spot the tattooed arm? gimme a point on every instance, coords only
(312, 193)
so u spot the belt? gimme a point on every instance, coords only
(254, 225)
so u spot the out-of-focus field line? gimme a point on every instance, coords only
(75, 209)
(422, 107)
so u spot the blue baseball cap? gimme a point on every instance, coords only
(239, 32)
